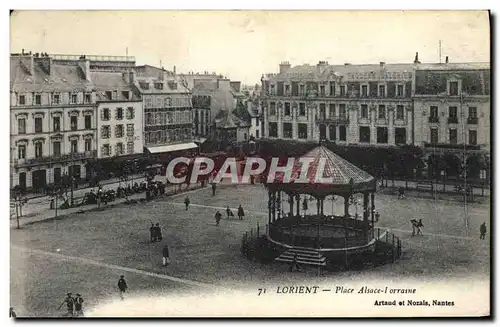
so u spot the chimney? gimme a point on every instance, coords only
(322, 63)
(129, 77)
(84, 65)
(446, 60)
(382, 63)
(416, 61)
(236, 86)
(175, 70)
(27, 62)
(347, 64)
(284, 67)
(45, 62)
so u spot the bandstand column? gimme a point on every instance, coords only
(346, 206)
(373, 208)
(290, 201)
(298, 205)
(274, 206)
(270, 205)
(280, 209)
(322, 205)
(366, 201)
(318, 205)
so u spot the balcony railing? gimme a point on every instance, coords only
(433, 119)
(333, 119)
(452, 146)
(472, 120)
(452, 120)
(55, 158)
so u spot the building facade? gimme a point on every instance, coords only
(168, 122)
(363, 104)
(53, 120)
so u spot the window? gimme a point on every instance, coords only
(21, 151)
(302, 89)
(364, 90)
(287, 89)
(434, 111)
(273, 129)
(38, 149)
(472, 137)
(105, 114)
(159, 86)
(322, 111)
(381, 111)
(105, 150)
(453, 88)
(381, 90)
(364, 111)
(257, 134)
(144, 85)
(74, 146)
(22, 99)
(472, 112)
(109, 95)
(119, 114)
(245, 136)
(74, 123)
(119, 149)
(130, 129)
(21, 126)
(332, 88)
(105, 132)
(453, 136)
(88, 145)
(342, 90)
(287, 130)
(400, 112)
(272, 108)
(56, 124)
(331, 110)
(364, 134)
(400, 135)
(130, 113)
(322, 90)
(38, 99)
(119, 131)
(73, 98)
(342, 133)
(87, 98)
(55, 98)
(88, 122)
(302, 109)
(382, 135)
(130, 147)
(342, 110)
(452, 112)
(56, 148)
(287, 109)
(400, 90)
(38, 125)
(302, 129)
(434, 136)
(333, 132)
(126, 95)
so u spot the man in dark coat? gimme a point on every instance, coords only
(70, 302)
(159, 236)
(241, 213)
(166, 255)
(229, 212)
(12, 313)
(78, 305)
(217, 218)
(152, 233)
(186, 202)
(482, 231)
(214, 187)
(122, 286)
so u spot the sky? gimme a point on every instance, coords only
(243, 45)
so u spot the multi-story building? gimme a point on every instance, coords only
(53, 126)
(347, 104)
(168, 125)
(119, 116)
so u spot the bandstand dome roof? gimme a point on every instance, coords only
(343, 177)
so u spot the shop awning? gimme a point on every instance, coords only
(171, 148)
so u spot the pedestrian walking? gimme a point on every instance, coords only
(482, 231)
(159, 236)
(401, 193)
(414, 224)
(304, 205)
(229, 212)
(241, 213)
(69, 301)
(214, 187)
(419, 226)
(166, 255)
(186, 202)
(152, 234)
(122, 286)
(218, 217)
(78, 305)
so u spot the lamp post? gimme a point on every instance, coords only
(443, 179)
(482, 176)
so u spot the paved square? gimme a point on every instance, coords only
(96, 247)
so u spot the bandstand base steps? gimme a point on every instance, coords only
(304, 256)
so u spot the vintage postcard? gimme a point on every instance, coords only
(250, 164)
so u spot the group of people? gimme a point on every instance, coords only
(218, 215)
(154, 189)
(416, 226)
(155, 233)
(74, 305)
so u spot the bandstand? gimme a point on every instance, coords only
(312, 226)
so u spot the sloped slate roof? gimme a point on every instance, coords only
(225, 119)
